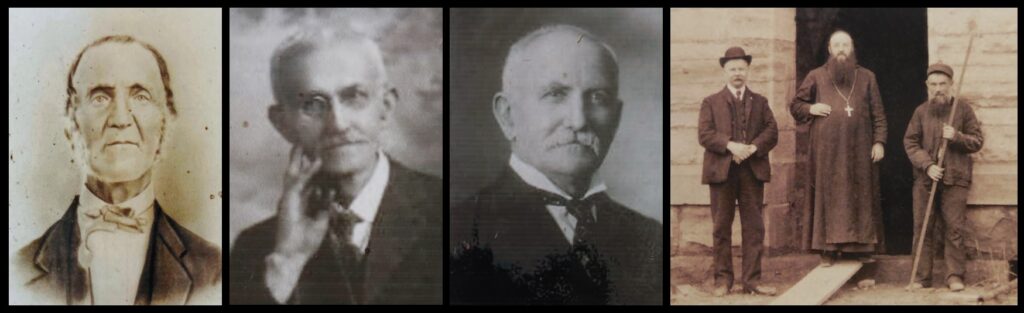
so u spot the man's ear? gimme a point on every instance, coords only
(615, 121)
(71, 128)
(390, 100)
(278, 117)
(502, 110)
(166, 128)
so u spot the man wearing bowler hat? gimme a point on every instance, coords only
(737, 129)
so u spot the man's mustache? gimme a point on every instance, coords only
(588, 139)
(338, 141)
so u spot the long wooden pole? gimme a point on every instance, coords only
(941, 158)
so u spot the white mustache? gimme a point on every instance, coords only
(337, 141)
(583, 138)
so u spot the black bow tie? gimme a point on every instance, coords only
(577, 207)
(581, 209)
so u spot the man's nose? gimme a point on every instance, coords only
(337, 120)
(576, 118)
(121, 114)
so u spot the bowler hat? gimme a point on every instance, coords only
(734, 53)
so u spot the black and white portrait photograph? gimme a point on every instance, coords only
(336, 156)
(114, 194)
(843, 156)
(556, 156)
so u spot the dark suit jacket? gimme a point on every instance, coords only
(403, 263)
(506, 248)
(715, 132)
(179, 267)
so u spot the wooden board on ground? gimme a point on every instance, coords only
(819, 284)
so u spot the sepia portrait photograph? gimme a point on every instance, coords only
(114, 138)
(556, 156)
(857, 156)
(336, 153)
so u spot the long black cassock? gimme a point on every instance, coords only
(845, 214)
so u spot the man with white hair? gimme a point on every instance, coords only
(546, 232)
(115, 244)
(352, 226)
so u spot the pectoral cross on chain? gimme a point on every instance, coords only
(849, 110)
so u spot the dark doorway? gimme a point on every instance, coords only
(893, 43)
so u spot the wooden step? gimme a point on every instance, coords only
(820, 284)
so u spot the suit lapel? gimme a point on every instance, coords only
(525, 232)
(748, 99)
(750, 106)
(58, 271)
(165, 278)
(391, 231)
(724, 110)
(170, 282)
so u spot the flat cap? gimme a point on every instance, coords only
(940, 68)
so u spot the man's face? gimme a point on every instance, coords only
(736, 72)
(119, 110)
(334, 105)
(840, 46)
(938, 87)
(564, 106)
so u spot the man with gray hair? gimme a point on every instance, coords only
(546, 232)
(115, 245)
(352, 226)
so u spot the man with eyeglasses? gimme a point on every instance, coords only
(352, 226)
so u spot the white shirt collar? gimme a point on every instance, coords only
(141, 204)
(366, 204)
(732, 90)
(117, 258)
(533, 177)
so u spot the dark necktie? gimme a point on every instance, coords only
(583, 247)
(581, 209)
(349, 256)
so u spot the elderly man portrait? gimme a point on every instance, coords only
(842, 103)
(546, 231)
(928, 128)
(352, 226)
(115, 243)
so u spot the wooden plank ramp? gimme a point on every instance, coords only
(820, 284)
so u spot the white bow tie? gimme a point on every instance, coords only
(109, 218)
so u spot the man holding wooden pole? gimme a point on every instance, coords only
(930, 126)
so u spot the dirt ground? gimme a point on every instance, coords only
(881, 294)
(894, 294)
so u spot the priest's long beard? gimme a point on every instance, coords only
(939, 106)
(842, 71)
